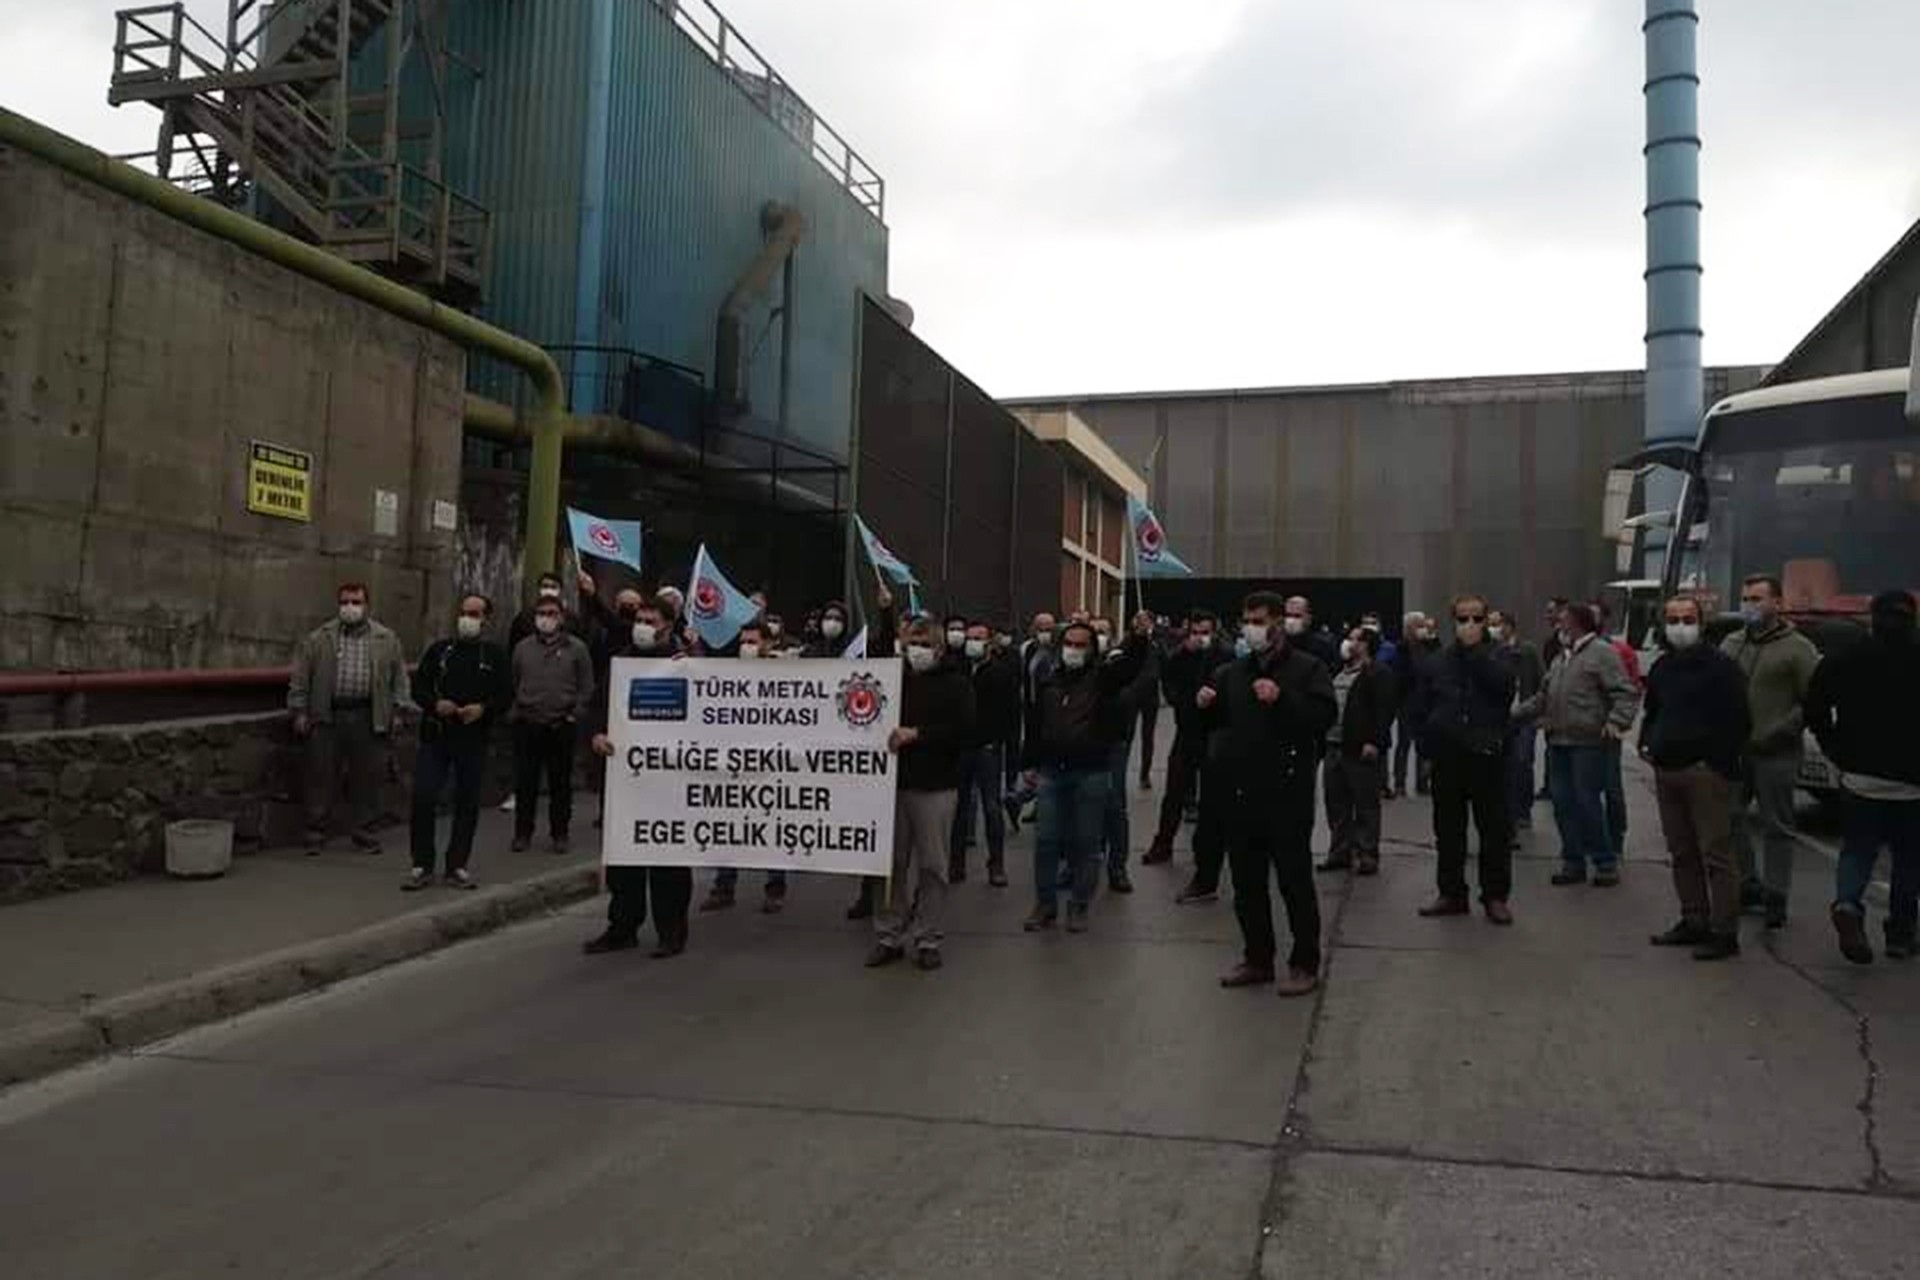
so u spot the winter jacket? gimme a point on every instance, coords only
(1182, 672)
(1778, 664)
(940, 704)
(1077, 716)
(1369, 713)
(1864, 707)
(1412, 664)
(1530, 678)
(996, 699)
(1587, 690)
(1257, 742)
(1143, 692)
(310, 691)
(553, 679)
(1465, 702)
(463, 672)
(1696, 712)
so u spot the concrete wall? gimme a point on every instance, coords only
(137, 359)
(1487, 484)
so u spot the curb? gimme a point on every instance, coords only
(125, 1022)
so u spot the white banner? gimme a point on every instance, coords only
(725, 762)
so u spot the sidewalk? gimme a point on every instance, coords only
(104, 969)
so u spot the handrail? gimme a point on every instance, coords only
(548, 419)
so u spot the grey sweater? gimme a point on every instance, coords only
(552, 679)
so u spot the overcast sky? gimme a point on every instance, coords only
(1108, 195)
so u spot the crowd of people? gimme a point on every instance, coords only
(1275, 720)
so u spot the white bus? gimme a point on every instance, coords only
(1816, 483)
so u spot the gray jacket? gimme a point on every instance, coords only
(553, 681)
(1587, 690)
(310, 691)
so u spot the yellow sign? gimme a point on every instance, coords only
(279, 482)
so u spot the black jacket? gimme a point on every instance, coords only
(1464, 701)
(463, 672)
(996, 699)
(1696, 711)
(1144, 690)
(597, 718)
(940, 704)
(1182, 672)
(1077, 716)
(1320, 644)
(1863, 706)
(1413, 661)
(1260, 741)
(1369, 713)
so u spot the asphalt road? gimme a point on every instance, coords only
(1556, 1099)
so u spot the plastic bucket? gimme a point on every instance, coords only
(199, 848)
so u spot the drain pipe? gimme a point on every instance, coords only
(784, 228)
(1675, 387)
(549, 417)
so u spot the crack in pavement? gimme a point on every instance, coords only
(1877, 1176)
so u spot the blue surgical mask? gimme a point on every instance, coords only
(1753, 615)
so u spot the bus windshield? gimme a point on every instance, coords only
(1825, 494)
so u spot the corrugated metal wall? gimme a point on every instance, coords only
(1489, 484)
(691, 162)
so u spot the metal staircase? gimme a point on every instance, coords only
(268, 120)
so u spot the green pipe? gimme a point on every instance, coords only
(548, 422)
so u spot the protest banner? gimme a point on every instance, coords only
(719, 762)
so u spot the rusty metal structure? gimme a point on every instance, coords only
(326, 118)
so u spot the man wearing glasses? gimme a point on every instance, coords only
(1462, 719)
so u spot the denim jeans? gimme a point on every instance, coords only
(1073, 806)
(1115, 831)
(1868, 825)
(980, 793)
(1615, 797)
(1577, 777)
(1520, 752)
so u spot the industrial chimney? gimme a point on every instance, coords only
(1674, 385)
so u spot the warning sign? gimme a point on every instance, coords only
(279, 481)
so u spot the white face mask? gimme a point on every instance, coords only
(1295, 625)
(920, 657)
(832, 627)
(955, 639)
(1255, 634)
(1198, 642)
(1102, 639)
(750, 650)
(1683, 635)
(774, 629)
(353, 614)
(468, 628)
(1349, 651)
(546, 624)
(976, 648)
(1074, 655)
(644, 634)
(1499, 634)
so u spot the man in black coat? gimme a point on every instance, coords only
(996, 700)
(1696, 726)
(652, 635)
(1863, 706)
(1463, 707)
(1183, 669)
(1355, 770)
(461, 686)
(1270, 712)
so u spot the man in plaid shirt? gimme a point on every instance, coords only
(348, 683)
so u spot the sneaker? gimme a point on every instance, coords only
(521, 844)
(882, 954)
(1569, 875)
(1687, 933)
(927, 959)
(1158, 852)
(1194, 894)
(1040, 918)
(1076, 917)
(1246, 975)
(1499, 913)
(364, 843)
(1607, 879)
(461, 879)
(1331, 863)
(1718, 946)
(1119, 881)
(1776, 911)
(717, 900)
(417, 879)
(997, 875)
(773, 904)
(669, 948)
(1298, 982)
(610, 941)
(506, 806)
(561, 845)
(1446, 907)
(1851, 925)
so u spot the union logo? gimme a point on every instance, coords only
(604, 538)
(861, 699)
(1150, 539)
(706, 598)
